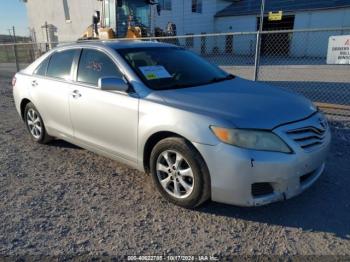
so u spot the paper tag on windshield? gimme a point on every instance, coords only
(154, 72)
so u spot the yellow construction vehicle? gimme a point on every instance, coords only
(122, 19)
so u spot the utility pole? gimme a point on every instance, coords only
(258, 42)
(15, 48)
(32, 39)
(8, 56)
(10, 34)
(46, 27)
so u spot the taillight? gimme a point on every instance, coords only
(14, 81)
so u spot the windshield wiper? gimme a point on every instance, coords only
(220, 79)
(214, 80)
(176, 86)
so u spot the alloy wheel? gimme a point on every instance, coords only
(175, 174)
(34, 123)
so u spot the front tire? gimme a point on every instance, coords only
(180, 173)
(35, 125)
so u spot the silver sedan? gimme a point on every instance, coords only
(201, 133)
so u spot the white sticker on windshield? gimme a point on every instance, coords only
(154, 72)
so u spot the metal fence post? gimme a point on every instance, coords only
(258, 42)
(257, 56)
(15, 48)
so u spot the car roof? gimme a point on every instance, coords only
(119, 44)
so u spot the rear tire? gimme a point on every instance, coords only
(35, 125)
(180, 173)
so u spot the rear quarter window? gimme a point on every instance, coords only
(42, 68)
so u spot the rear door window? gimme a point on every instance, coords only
(95, 64)
(60, 64)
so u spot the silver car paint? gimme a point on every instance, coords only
(107, 120)
(118, 125)
(240, 101)
(51, 96)
(239, 168)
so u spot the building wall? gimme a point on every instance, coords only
(192, 23)
(81, 11)
(316, 44)
(241, 44)
(313, 44)
(188, 22)
(52, 12)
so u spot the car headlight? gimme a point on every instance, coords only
(251, 139)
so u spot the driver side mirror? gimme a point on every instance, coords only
(113, 84)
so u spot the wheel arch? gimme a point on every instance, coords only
(24, 103)
(154, 139)
(158, 136)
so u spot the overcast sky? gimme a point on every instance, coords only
(13, 13)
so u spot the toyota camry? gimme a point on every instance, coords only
(200, 132)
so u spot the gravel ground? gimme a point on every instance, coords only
(59, 199)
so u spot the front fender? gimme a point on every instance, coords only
(156, 117)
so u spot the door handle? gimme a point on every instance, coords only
(76, 94)
(34, 83)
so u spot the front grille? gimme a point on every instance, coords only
(261, 189)
(308, 137)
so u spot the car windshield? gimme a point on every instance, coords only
(172, 67)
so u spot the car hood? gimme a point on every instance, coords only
(246, 104)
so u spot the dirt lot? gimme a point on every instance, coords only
(62, 200)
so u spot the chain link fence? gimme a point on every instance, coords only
(297, 61)
(14, 57)
(292, 59)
